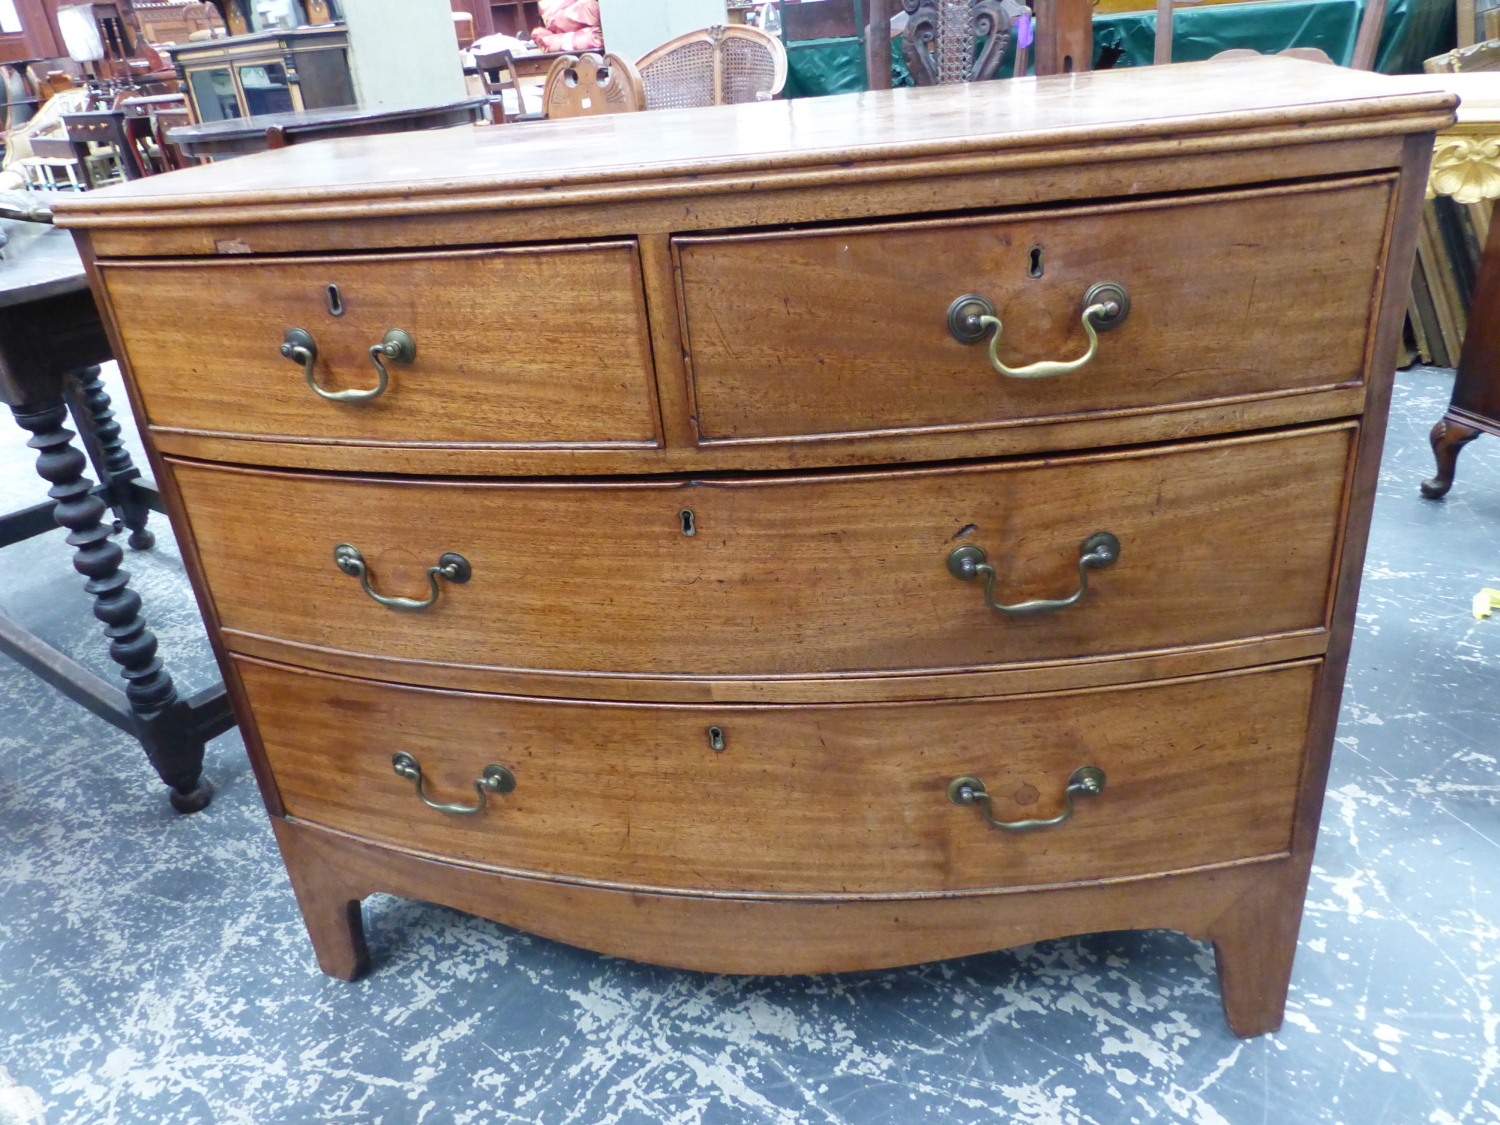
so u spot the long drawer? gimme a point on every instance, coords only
(511, 346)
(1217, 541)
(832, 331)
(805, 800)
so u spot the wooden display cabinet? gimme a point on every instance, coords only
(266, 72)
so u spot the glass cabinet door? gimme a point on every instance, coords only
(214, 94)
(266, 88)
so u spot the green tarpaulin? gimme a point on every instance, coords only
(1414, 30)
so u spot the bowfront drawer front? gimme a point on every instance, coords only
(844, 331)
(828, 799)
(543, 344)
(1215, 541)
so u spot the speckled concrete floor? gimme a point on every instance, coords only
(153, 968)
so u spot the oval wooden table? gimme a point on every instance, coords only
(237, 136)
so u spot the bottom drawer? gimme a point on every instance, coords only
(829, 799)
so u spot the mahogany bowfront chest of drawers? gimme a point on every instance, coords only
(793, 537)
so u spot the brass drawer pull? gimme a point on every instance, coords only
(1099, 551)
(495, 779)
(972, 317)
(453, 567)
(1086, 781)
(397, 346)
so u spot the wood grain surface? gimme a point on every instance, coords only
(845, 330)
(982, 440)
(885, 686)
(844, 572)
(761, 343)
(1148, 165)
(541, 345)
(329, 870)
(827, 800)
(570, 161)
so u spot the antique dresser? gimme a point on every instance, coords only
(793, 537)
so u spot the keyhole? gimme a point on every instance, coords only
(689, 523)
(716, 738)
(335, 301)
(1034, 258)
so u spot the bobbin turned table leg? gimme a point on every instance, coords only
(95, 418)
(165, 724)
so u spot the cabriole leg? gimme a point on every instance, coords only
(1448, 438)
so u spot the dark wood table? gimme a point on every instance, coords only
(1465, 165)
(51, 345)
(237, 136)
(106, 127)
(1475, 406)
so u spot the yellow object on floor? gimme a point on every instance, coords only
(1485, 601)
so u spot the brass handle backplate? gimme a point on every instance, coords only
(494, 779)
(453, 567)
(396, 346)
(969, 562)
(1086, 781)
(972, 317)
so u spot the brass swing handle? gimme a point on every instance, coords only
(397, 346)
(453, 567)
(1098, 551)
(972, 317)
(1086, 781)
(495, 779)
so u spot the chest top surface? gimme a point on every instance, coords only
(642, 152)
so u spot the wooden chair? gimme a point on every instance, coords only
(587, 85)
(715, 66)
(163, 120)
(1064, 40)
(939, 51)
(497, 70)
(1366, 43)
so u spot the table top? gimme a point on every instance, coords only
(1479, 91)
(38, 261)
(237, 128)
(555, 163)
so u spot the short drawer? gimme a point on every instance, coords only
(845, 331)
(758, 577)
(513, 346)
(805, 800)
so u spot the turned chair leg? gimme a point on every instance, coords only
(165, 724)
(92, 413)
(1448, 438)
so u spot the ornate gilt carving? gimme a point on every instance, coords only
(1465, 167)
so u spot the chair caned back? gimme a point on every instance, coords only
(715, 66)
